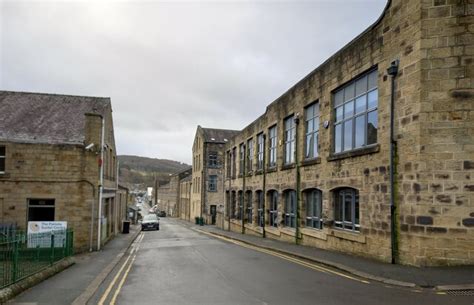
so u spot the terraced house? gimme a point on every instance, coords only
(58, 163)
(372, 153)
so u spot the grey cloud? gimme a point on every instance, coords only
(171, 66)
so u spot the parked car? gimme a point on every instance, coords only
(150, 221)
(162, 214)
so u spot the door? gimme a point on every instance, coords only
(213, 214)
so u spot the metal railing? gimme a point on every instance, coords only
(22, 255)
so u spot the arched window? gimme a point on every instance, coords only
(249, 206)
(313, 204)
(347, 209)
(260, 203)
(233, 205)
(273, 199)
(241, 205)
(290, 208)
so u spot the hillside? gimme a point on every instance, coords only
(141, 170)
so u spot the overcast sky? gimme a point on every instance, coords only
(170, 66)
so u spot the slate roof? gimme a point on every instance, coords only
(46, 118)
(213, 135)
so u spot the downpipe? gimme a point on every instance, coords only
(101, 185)
(393, 71)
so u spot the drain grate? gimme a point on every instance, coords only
(461, 292)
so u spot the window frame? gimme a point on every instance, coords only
(241, 158)
(249, 206)
(273, 146)
(240, 201)
(212, 185)
(213, 159)
(250, 153)
(314, 133)
(289, 196)
(260, 150)
(340, 198)
(340, 102)
(273, 210)
(40, 206)
(260, 210)
(289, 140)
(314, 214)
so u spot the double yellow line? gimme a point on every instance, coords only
(132, 255)
(288, 258)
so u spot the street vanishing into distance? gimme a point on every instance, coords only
(179, 265)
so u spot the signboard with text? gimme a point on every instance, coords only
(39, 233)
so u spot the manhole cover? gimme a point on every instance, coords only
(462, 292)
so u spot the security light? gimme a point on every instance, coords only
(89, 147)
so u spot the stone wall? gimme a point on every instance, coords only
(69, 174)
(434, 130)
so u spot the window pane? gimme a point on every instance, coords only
(372, 125)
(339, 115)
(310, 125)
(372, 80)
(316, 123)
(338, 208)
(309, 112)
(356, 203)
(348, 109)
(359, 132)
(360, 104)
(315, 144)
(361, 85)
(348, 135)
(309, 204)
(309, 146)
(348, 206)
(2, 164)
(339, 98)
(2, 150)
(338, 138)
(372, 100)
(349, 92)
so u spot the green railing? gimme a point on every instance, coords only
(22, 255)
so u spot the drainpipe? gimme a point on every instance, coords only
(229, 203)
(101, 182)
(242, 210)
(393, 71)
(297, 212)
(264, 185)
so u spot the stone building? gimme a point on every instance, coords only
(326, 165)
(185, 198)
(50, 168)
(169, 194)
(208, 176)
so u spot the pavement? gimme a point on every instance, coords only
(79, 282)
(440, 278)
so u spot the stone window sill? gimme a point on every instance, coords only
(352, 236)
(319, 234)
(313, 161)
(288, 166)
(271, 169)
(355, 153)
(259, 172)
(4, 175)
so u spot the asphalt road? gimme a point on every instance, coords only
(178, 265)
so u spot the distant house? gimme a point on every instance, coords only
(57, 161)
(207, 195)
(169, 194)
